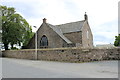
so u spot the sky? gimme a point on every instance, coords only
(102, 14)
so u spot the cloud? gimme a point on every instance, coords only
(106, 32)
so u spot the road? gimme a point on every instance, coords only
(18, 68)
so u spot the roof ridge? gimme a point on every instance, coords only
(69, 23)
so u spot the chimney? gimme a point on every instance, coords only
(44, 20)
(85, 16)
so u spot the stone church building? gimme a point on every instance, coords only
(74, 34)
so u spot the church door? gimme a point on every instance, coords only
(44, 42)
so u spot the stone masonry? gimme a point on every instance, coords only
(73, 34)
(66, 54)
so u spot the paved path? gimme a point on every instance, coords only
(18, 68)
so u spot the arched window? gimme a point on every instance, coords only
(44, 41)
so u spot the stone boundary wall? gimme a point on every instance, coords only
(65, 54)
(0, 53)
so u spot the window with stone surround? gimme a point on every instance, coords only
(44, 41)
(87, 35)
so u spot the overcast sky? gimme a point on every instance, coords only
(102, 14)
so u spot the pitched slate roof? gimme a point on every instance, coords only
(67, 28)
(71, 27)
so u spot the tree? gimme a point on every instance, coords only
(117, 40)
(15, 29)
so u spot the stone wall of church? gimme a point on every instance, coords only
(54, 40)
(87, 37)
(75, 37)
(66, 54)
(31, 44)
